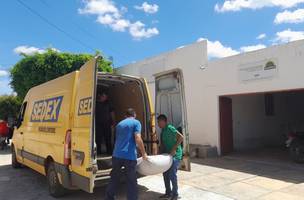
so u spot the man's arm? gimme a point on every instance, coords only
(140, 145)
(179, 140)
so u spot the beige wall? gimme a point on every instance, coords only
(221, 77)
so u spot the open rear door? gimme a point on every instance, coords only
(82, 145)
(151, 140)
(170, 100)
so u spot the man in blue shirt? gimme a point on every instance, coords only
(128, 135)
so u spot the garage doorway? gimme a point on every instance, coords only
(226, 127)
(259, 123)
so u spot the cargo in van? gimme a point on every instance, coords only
(124, 92)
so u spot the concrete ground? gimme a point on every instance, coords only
(238, 176)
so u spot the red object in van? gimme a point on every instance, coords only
(3, 129)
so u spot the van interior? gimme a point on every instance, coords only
(123, 92)
(257, 125)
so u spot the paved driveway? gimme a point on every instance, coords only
(234, 177)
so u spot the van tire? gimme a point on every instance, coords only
(15, 163)
(55, 188)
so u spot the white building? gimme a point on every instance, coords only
(241, 102)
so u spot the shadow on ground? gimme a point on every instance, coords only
(27, 184)
(270, 163)
(5, 151)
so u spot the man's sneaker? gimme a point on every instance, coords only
(165, 196)
(174, 198)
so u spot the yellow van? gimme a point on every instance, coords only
(55, 130)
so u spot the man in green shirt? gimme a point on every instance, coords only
(171, 143)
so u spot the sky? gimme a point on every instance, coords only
(129, 31)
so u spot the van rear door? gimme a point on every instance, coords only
(170, 100)
(151, 140)
(82, 139)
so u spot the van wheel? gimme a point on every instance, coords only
(15, 163)
(55, 188)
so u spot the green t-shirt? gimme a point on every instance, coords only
(168, 136)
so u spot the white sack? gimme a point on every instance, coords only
(154, 165)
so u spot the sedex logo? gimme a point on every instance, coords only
(46, 110)
(85, 106)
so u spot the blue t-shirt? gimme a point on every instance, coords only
(125, 145)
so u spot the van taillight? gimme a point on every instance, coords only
(67, 148)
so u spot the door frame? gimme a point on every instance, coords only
(222, 128)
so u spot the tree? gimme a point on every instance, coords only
(9, 106)
(33, 70)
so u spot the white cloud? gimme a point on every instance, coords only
(252, 47)
(288, 36)
(106, 19)
(217, 50)
(30, 50)
(295, 17)
(99, 7)
(138, 31)
(148, 8)
(5, 88)
(3, 73)
(116, 24)
(109, 15)
(261, 36)
(120, 25)
(27, 50)
(237, 5)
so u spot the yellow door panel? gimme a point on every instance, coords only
(18, 143)
(83, 127)
(18, 136)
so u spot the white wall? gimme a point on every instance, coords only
(221, 77)
(188, 59)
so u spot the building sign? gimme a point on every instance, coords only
(257, 71)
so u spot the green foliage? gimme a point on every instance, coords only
(9, 106)
(39, 68)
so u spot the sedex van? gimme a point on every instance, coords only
(55, 131)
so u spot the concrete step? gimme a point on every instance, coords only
(203, 151)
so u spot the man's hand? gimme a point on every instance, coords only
(141, 146)
(173, 152)
(145, 157)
